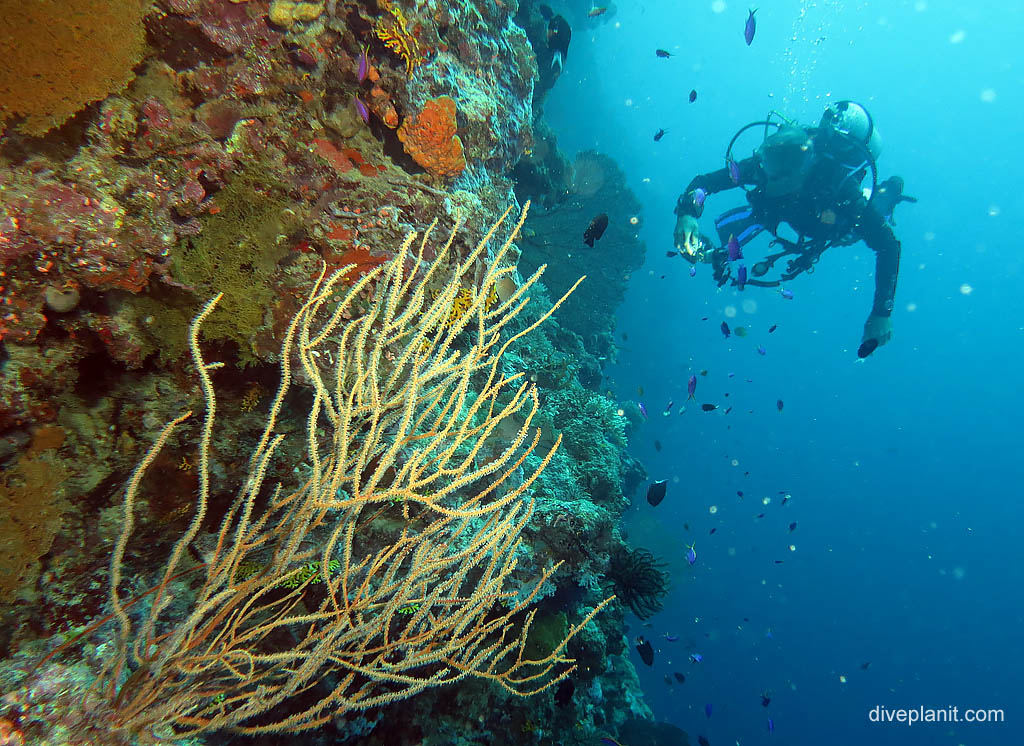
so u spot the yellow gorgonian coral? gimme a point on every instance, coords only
(393, 30)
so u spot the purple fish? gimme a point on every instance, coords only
(696, 657)
(761, 350)
(771, 725)
(364, 66)
(734, 249)
(750, 28)
(707, 710)
(734, 171)
(671, 638)
(691, 557)
(741, 277)
(691, 387)
(787, 294)
(693, 271)
(643, 409)
(725, 330)
(699, 195)
(364, 113)
(668, 409)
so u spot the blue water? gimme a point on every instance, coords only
(905, 470)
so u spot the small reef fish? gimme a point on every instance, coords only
(642, 408)
(771, 725)
(735, 251)
(668, 409)
(761, 350)
(703, 741)
(765, 699)
(709, 407)
(787, 294)
(707, 710)
(663, 53)
(693, 95)
(596, 11)
(725, 330)
(693, 271)
(681, 678)
(659, 134)
(750, 28)
(772, 328)
(646, 650)
(559, 34)
(606, 741)
(712, 531)
(699, 195)
(361, 109)
(363, 67)
(792, 527)
(595, 230)
(691, 387)
(657, 446)
(691, 557)
(785, 500)
(741, 277)
(734, 171)
(696, 658)
(671, 638)
(779, 404)
(656, 492)
(670, 254)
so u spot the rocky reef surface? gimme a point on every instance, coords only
(167, 151)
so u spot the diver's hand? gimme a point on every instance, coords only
(686, 236)
(877, 331)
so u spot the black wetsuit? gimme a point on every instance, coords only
(829, 206)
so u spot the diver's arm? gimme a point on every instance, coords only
(880, 238)
(712, 183)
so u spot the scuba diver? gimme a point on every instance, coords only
(807, 182)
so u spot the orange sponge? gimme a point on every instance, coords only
(431, 140)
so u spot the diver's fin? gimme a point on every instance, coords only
(556, 61)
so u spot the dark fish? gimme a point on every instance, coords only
(709, 407)
(662, 53)
(545, 12)
(750, 28)
(693, 95)
(771, 725)
(712, 531)
(759, 515)
(559, 33)
(765, 700)
(792, 527)
(779, 404)
(728, 409)
(867, 348)
(671, 254)
(646, 651)
(707, 710)
(864, 665)
(702, 741)
(691, 387)
(772, 328)
(595, 230)
(596, 11)
(725, 330)
(785, 500)
(739, 493)
(704, 372)
(735, 251)
(741, 277)
(658, 135)
(656, 492)
(779, 562)
(564, 692)
(657, 445)
(668, 680)
(681, 678)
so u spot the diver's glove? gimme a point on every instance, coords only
(877, 331)
(687, 238)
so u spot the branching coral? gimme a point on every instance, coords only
(392, 29)
(431, 140)
(60, 55)
(639, 579)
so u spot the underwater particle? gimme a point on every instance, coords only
(749, 306)
(712, 509)
(735, 462)
(718, 6)
(966, 289)
(792, 547)
(766, 500)
(957, 36)
(993, 211)
(842, 679)
(987, 95)
(681, 678)
(634, 220)
(729, 312)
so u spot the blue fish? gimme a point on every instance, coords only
(771, 725)
(734, 171)
(362, 110)
(761, 350)
(363, 68)
(725, 330)
(671, 638)
(707, 710)
(696, 657)
(734, 249)
(691, 557)
(787, 294)
(750, 28)
(691, 387)
(741, 277)
(643, 409)
(699, 195)
(693, 271)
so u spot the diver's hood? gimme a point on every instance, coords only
(785, 158)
